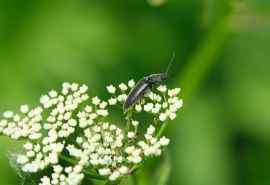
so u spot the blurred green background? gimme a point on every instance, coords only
(222, 137)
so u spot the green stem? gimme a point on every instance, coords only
(112, 183)
(67, 159)
(162, 129)
(134, 179)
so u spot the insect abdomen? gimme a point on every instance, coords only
(136, 93)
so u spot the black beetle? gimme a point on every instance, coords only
(145, 85)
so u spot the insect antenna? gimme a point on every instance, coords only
(170, 64)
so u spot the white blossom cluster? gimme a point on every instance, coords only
(70, 126)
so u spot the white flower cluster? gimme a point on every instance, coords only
(97, 143)
(64, 175)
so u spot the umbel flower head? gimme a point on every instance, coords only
(71, 135)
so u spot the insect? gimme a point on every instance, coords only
(145, 85)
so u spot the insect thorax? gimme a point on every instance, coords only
(155, 78)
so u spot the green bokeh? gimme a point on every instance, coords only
(222, 137)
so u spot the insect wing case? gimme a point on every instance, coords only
(136, 93)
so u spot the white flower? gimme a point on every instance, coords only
(172, 116)
(148, 107)
(28, 146)
(44, 99)
(53, 94)
(114, 176)
(88, 109)
(131, 135)
(66, 85)
(35, 136)
(151, 130)
(107, 147)
(95, 100)
(77, 168)
(30, 153)
(104, 171)
(162, 88)
(102, 112)
(22, 159)
(164, 141)
(79, 140)
(16, 118)
(164, 105)
(112, 101)
(24, 109)
(45, 181)
(174, 92)
(74, 87)
(111, 89)
(162, 117)
(103, 105)
(53, 157)
(8, 114)
(123, 170)
(135, 123)
(131, 83)
(122, 97)
(138, 108)
(83, 89)
(135, 159)
(178, 104)
(156, 109)
(58, 169)
(123, 87)
(130, 149)
(157, 98)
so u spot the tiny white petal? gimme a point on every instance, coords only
(111, 89)
(174, 92)
(172, 116)
(112, 101)
(28, 146)
(131, 83)
(53, 94)
(8, 114)
(44, 99)
(123, 87)
(164, 105)
(22, 159)
(103, 105)
(95, 100)
(151, 129)
(88, 109)
(164, 141)
(162, 117)
(104, 171)
(135, 123)
(131, 135)
(162, 88)
(123, 170)
(148, 107)
(114, 176)
(24, 109)
(74, 87)
(122, 97)
(138, 108)
(79, 140)
(83, 89)
(102, 112)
